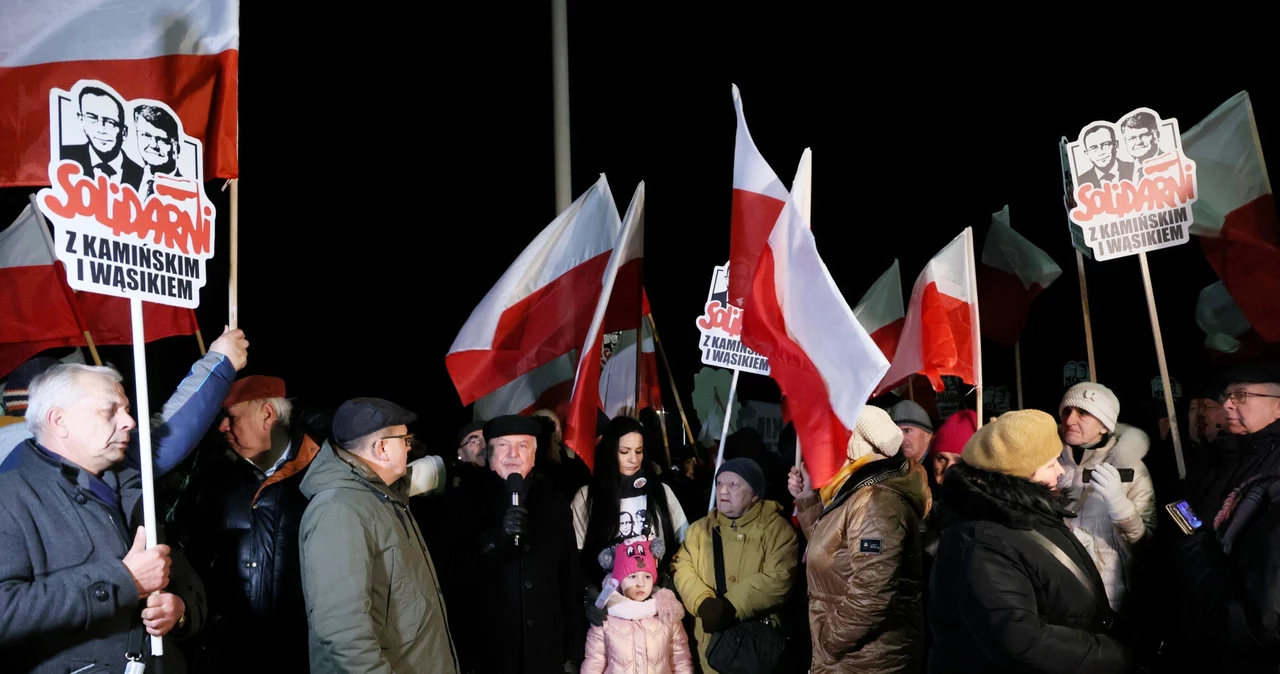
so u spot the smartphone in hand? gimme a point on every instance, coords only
(1126, 474)
(1184, 517)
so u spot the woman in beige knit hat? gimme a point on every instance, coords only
(864, 560)
(1012, 589)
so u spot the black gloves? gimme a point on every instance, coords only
(595, 616)
(717, 615)
(516, 521)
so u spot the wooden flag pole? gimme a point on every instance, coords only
(200, 342)
(1088, 324)
(1164, 365)
(66, 289)
(662, 354)
(1017, 368)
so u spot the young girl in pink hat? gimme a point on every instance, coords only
(643, 631)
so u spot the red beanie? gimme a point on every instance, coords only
(955, 432)
(629, 558)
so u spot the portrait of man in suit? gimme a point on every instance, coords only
(1141, 133)
(1101, 148)
(157, 134)
(102, 117)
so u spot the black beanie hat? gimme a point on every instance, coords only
(746, 469)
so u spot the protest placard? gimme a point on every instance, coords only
(720, 326)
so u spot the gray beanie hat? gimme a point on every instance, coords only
(910, 413)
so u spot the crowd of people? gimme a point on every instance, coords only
(296, 539)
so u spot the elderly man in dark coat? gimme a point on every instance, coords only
(514, 568)
(79, 590)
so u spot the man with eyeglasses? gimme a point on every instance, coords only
(157, 134)
(1141, 133)
(1100, 146)
(1229, 567)
(102, 118)
(372, 596)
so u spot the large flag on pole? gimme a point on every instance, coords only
(880, 312)
(541, 307)
(819, 354)
(1013, 272)
(941, 332)
(618, 375)
(36, 312)
(758, 198)
(1235, 212)
(580, 427)
(179, 52)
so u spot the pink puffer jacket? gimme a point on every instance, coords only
(656, 645)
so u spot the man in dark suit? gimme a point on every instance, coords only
(102, 117)
(1141, 133)
(158, 137)
(1100, 146)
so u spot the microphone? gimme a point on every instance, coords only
(515, 485)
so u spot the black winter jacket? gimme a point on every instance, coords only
(999, 601)
(244, 541)
(532, 596)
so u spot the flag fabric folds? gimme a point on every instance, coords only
(1013, 272)
(881, 313)
(182, 53)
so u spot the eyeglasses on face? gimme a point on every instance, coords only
(94, 120)
(1239, 397)
(473, 440)
(407, 437)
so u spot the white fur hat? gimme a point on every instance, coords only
(874, 432)
(1095, 399)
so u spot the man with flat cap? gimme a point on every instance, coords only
(515, 588)
(373, 600)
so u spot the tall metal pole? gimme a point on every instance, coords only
(560, 82)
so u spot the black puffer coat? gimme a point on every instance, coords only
(1002, 603)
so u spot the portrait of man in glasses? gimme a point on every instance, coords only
(102, 117)
(157, 134)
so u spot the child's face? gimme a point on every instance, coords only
(639, 586)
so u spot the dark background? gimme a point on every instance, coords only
(386, 188)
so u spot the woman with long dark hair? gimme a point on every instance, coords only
(624, 500)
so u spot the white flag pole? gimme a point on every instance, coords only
(973, 312)
(144, 438)
(724, 433)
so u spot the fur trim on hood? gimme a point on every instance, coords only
(1018, 503)
(670, 610)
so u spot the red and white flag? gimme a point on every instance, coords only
(109, 322)
(819, 354)
(1235, 212)
(580, 426)
(1013, 272)
(618, 376)
(546, 387)
(36, 312)
(880, 312)
(183, 53)
(541, 307)
(758, 198)
(941, 334)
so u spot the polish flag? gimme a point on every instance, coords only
(580, 426)
(880, 312)
(1013, 272)
(546, 387)
(541, 308)
(36, 312)
(758, 198)
(183, 53)
(109, 322)
(1235, 212)
(822, 358)
(941, 334)
(618, 376)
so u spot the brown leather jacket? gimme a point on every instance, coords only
(864, 568)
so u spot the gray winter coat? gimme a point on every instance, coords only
(373, 600)
(67, 602)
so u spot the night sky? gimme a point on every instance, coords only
(388, 184)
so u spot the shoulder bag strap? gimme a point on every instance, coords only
(1065, 559)
(718, 551)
